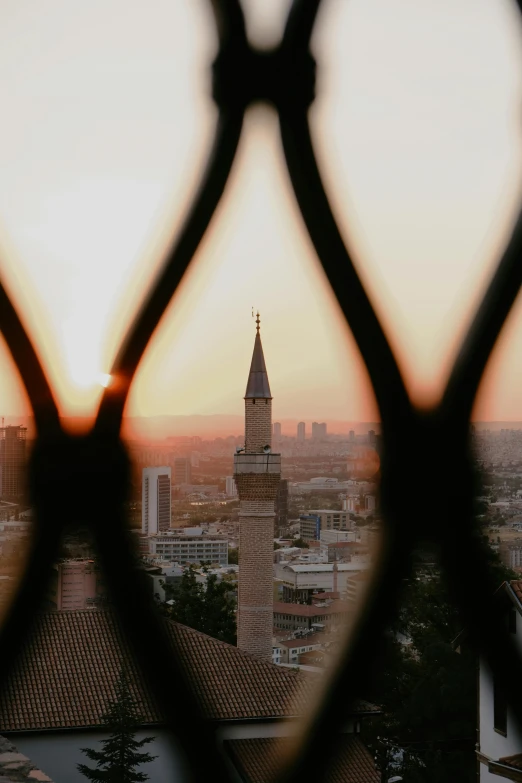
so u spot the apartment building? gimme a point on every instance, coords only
(184, 549)
(311, 525)
(155, 500)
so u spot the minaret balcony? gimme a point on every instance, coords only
(257, 463)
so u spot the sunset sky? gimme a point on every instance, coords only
(105, 123)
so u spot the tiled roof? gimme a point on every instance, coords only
(260, 760)
(66, 676)
(516, 586)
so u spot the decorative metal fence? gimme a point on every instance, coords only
(284, 77)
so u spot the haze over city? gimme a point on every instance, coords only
(93, 186)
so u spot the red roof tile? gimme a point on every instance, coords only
(260, 760)
(66, 676)
(516, 586)
(303, 610)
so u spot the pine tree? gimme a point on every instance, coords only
(120, 756)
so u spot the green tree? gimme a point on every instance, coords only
(207, 608)
(301, 543)
(427, 691)
(121, 753)
(233, 556)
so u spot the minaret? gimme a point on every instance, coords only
(257, 473)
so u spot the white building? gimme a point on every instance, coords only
(337, 536)
(499, 749)
(315, 521)
(183, 549)
(370, 503)
(230, 487)
(300, 580)
(292, 649)
(349, 503)
(155, 500)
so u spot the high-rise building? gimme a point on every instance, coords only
(277, 430)
(319, 430)
(301, 431)
(257, 473)
(12, 461)
(281, 508)
(155, 500)
(230, 487)
(351, 436)
(182, 471)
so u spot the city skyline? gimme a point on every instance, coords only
(425, 188)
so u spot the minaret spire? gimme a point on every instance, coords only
(257, 384)
(257, 472)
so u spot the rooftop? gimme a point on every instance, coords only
(303, 610)
(260, 760)
(66, 676)
(324, 567)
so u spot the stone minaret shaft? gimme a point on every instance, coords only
(257, 472)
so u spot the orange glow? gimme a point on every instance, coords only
(423, 165)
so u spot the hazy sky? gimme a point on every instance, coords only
(106, 119)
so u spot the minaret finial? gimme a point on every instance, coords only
(258, 321)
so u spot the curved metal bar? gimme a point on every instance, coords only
(396, 412)
(230, 22)
(16, 626)
(29, 367)
(390, 392)
(480, 340)
(160, 667)
(210, 191)
(299, 25)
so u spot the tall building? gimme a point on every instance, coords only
(182, 471)
(301, 431)
(230, 487)
(257, 473)
(281, 508)
(155, 500)
(319, 430)
(277, 430)
(12, 461)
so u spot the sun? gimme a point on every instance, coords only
(104, 379)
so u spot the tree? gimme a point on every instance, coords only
(207, 608)
(301, 543)
(427, 691)
(120, 756)
(233, 556)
